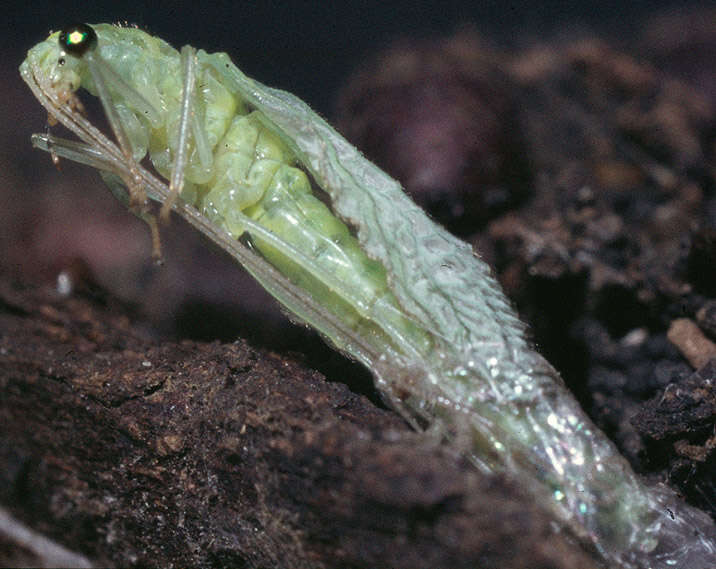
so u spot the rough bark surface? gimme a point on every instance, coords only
(136, 452)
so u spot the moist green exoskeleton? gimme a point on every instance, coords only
(241, 162)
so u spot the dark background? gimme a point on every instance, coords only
(309, 47)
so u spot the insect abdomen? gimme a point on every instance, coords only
(254, 177)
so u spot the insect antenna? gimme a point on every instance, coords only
(75, 151)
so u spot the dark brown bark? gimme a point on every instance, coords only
(135, 452)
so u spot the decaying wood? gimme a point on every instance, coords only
(138, 452)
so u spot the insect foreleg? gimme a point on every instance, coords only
(114, 81)
(112, 170)
(176, 180)
(103, 76)
(119, 190)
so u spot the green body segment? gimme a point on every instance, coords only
(255, 176)
(250, 173)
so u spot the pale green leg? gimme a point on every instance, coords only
(176, 180)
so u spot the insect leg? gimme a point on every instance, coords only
(116, 185)
(176, 181)
(103, 77)
(100, 74)
(96, 67)
(134, 99)
(112, 170)
(198, 130)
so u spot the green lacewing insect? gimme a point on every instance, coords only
(242, 162)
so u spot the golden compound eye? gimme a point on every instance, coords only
(77, 39)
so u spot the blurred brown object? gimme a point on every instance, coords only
(691, 342)
(439, 115)
(682, 42)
